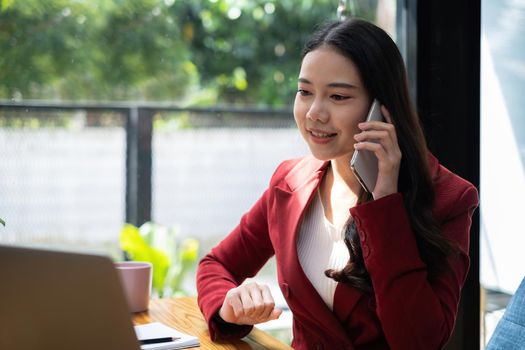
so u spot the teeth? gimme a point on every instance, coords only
(320, 134)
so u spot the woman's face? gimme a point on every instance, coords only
(331, 100)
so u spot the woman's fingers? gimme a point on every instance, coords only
(370, 138)
(380, 138)
(249, 304)
(275, 314)
(257, 300)
(268, 303)
(380, 132)
(377, 136)
(378, 126)
(232, 307)
(374, 147)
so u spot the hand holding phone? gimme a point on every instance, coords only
(364, 162)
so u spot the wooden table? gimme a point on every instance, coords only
(184, 315)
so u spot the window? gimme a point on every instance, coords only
(502, 154)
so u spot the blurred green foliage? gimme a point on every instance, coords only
(195, 52)
(171, 260)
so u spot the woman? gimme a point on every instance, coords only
(358, 270)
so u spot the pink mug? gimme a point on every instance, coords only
(135, 277)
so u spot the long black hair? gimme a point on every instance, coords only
(384, 76)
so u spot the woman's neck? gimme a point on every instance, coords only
(343, 177)
(339, 192)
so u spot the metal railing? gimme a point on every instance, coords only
(139, 131)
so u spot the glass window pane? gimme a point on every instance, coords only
(502, 153)
(62, 178)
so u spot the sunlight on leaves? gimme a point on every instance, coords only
(5, 4)
(158, 245)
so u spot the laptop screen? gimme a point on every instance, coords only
(61, 300)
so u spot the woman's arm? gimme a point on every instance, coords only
(415, 312)
(239, 256)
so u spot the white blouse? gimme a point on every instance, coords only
(321, 246)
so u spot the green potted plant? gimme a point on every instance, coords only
(158, 245)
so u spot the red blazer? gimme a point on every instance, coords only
(407, 310)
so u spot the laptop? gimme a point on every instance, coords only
(62, 300)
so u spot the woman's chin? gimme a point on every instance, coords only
(323, 156)
(320, 155)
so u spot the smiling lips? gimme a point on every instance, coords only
(321, 136)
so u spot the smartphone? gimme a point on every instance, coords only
(364, 163)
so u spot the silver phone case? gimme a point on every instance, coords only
(364, 163)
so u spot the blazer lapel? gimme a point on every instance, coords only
(290, 204)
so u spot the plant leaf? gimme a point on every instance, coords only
(158, 245)
(189, 252)
(138, 249)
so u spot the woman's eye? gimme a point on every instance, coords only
(303, 92)
(340, 97)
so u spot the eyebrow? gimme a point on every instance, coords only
(334, 84)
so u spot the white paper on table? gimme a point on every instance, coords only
(160, 330)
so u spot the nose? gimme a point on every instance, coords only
(318, 112)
